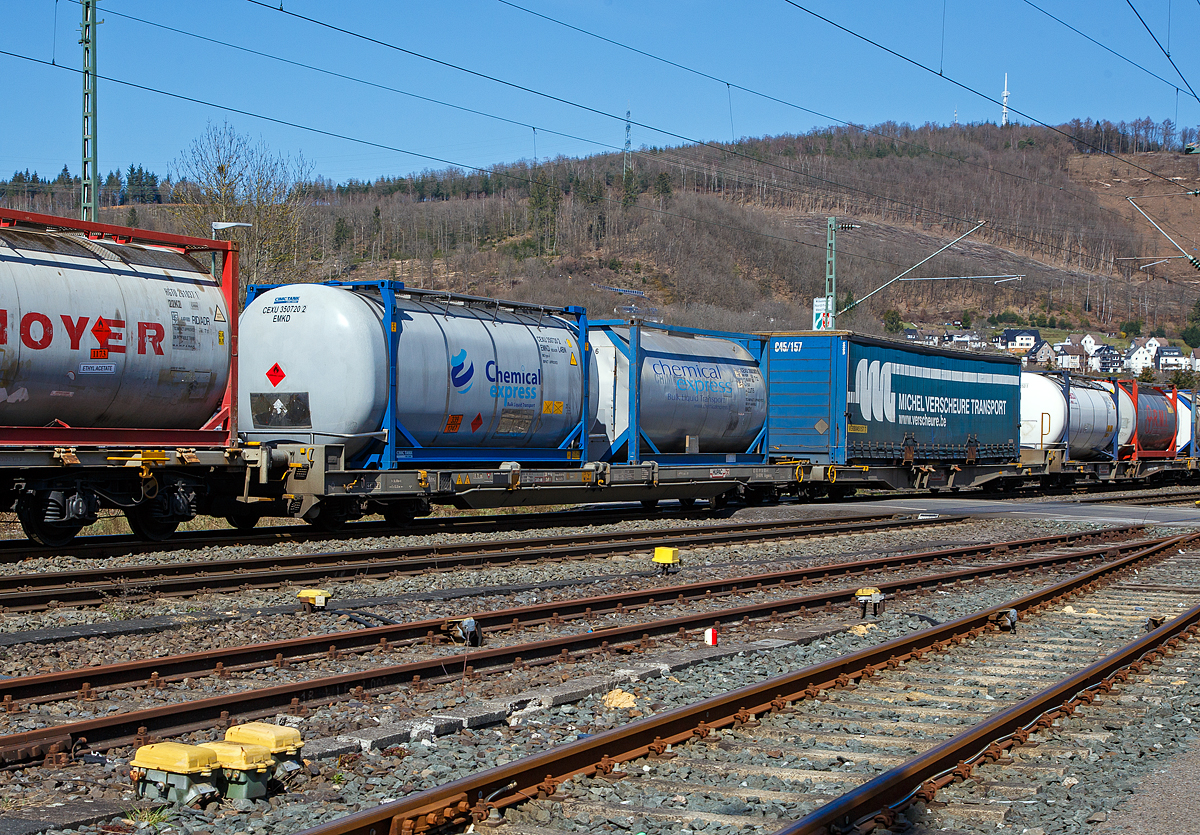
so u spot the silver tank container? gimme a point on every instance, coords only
(705, 387)
(99, 334)
(1044, 412)
(314, 368)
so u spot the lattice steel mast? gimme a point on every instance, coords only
(90, 176)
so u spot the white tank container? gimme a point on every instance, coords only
(314, 368)
(1093, 416)
(1183, 433)
(699, 386)
(99, 334)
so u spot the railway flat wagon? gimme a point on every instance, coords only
(916, 414)
(117, 373)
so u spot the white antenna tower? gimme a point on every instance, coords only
(1004, 107)
(956, 117)
(628, 144)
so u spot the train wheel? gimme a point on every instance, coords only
(400, 515)
(48, 533)
(650, 504)
(145, 525)
(31, 511)
(243, 521)
(329, 516)
(687, 504)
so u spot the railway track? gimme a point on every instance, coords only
(839, 745)
(113, 730)
(103, 546)
(91, 587)
(1181, 497)
(153, 671)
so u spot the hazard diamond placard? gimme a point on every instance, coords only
(275, 375)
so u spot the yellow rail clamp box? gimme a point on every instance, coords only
(313, 598)
(278, 739)
(175, 772)
(245, 769)
(666, 556)
(667, 559)
(283, 742)
(869, 595)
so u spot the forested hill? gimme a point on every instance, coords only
(725, 235)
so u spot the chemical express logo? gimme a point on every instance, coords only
(460, 372)
(512, 385)
(702, 379)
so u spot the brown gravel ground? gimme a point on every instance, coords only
(1167, 802)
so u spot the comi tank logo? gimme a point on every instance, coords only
(460, 372)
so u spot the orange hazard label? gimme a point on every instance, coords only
(99, 353)
(453, 422)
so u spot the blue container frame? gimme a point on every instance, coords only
(633, 437)
(400, 448)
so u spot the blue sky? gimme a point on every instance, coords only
(768, 46)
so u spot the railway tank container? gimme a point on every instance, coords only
(1044, 416)
(100, 334)
(315, 369)
(1097, 417)
(695, 386)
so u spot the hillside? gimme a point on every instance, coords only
(733, 236)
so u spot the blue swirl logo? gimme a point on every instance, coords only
(461, 372)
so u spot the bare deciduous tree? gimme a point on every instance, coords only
(226, 176)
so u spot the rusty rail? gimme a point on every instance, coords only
(876, 803)
(114, 545)
(470, 798)
(125, 728)
(35, 592)
(70, 682)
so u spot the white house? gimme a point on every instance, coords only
(1140, 357)
(1168, 359)
(1195, 359)
(1086, 341)
(1106, 360)
(1071, 357)
(1019, 340)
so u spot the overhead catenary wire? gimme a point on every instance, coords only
(1003, 228)
(1107, 49)
(1165, 51)
(966, 87)
(786, 103)
(385, 147)
(833, 184)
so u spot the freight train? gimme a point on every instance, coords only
(128, 381)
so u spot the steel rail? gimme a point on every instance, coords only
(173, 719)
(101, 546)
(35, 592)
(470, 799)
(1160, 499)
(920, 777)
(64, 683)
